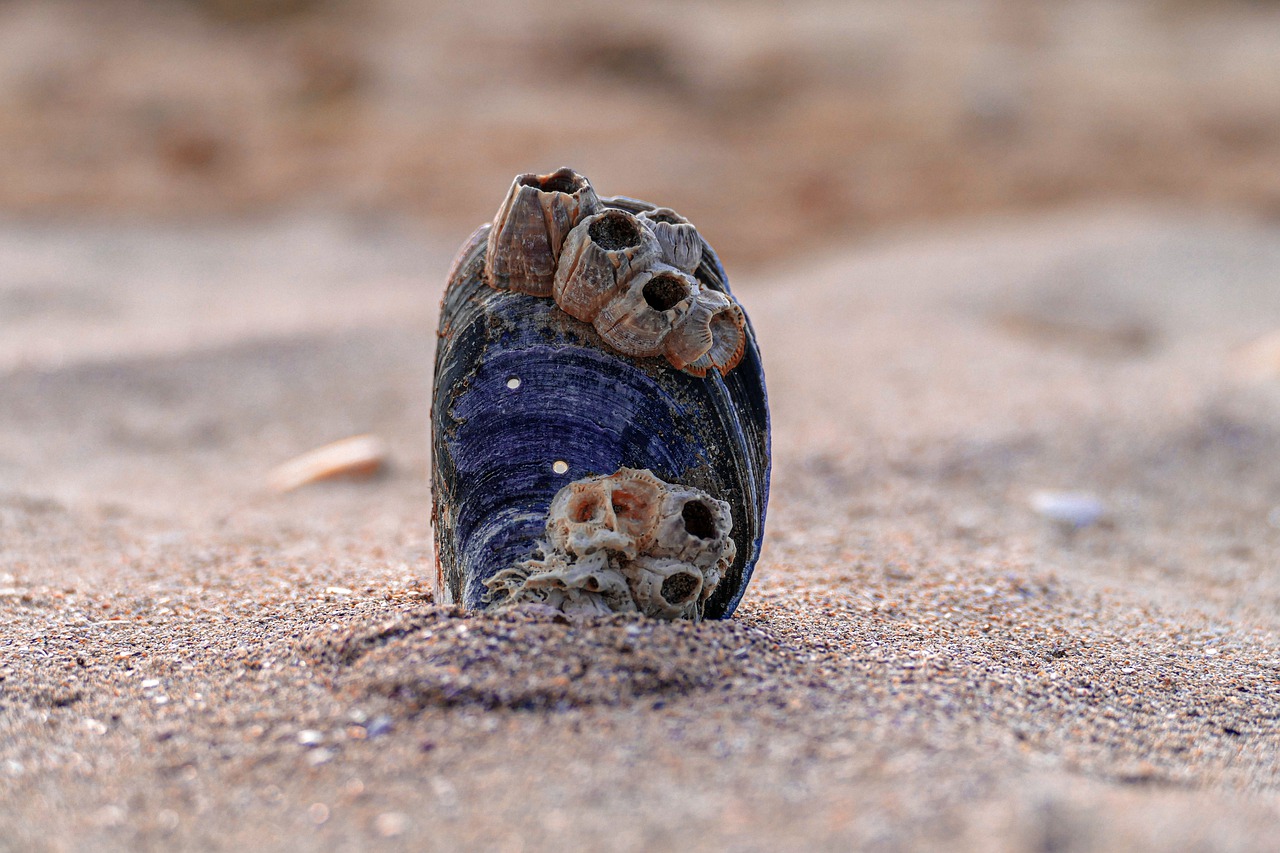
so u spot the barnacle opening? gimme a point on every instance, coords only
(680, 588)
(561, 181)
(631, 504)
(663, 214)
(584, 507)
(724, 326)
(614, 230)
(698, 520)
(665, 291)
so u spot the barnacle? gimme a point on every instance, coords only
(680, 242)
(524, 243)
(712, 334)
(615, 513)
(629, 275)
(664, 588)
(599, 258)
(637, 321)
(625, 542)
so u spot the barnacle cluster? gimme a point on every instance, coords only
(624, 543)
(631, 276)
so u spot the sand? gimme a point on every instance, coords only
(188, 661)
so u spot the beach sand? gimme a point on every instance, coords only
(189, 661)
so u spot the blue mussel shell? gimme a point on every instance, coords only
(527, 399)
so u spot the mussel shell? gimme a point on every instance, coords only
(495, 447)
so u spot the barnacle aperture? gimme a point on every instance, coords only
(623, 543)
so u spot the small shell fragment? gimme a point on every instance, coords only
(1259, 361)
(357, 457)
(1073, 510)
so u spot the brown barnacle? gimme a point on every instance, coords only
(680, 242)
(637, 321)
(530, 228)
(711, 334)
(600, 257)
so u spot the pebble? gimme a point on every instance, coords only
(379, 726)
(310, 737)
(391, 824)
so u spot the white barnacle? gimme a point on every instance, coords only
(615, 514)
(587, 585)
(694, 528)
(664, 588)
(623, 543)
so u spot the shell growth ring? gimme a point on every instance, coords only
(600, 427)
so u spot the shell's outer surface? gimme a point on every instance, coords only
(528, 399)
(529, 230)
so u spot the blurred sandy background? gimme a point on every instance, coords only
(785, 124)
(1015, 271)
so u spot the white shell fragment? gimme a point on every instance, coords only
(1070, 509)
(359, 456)
(1259, 361)
(624, 543)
